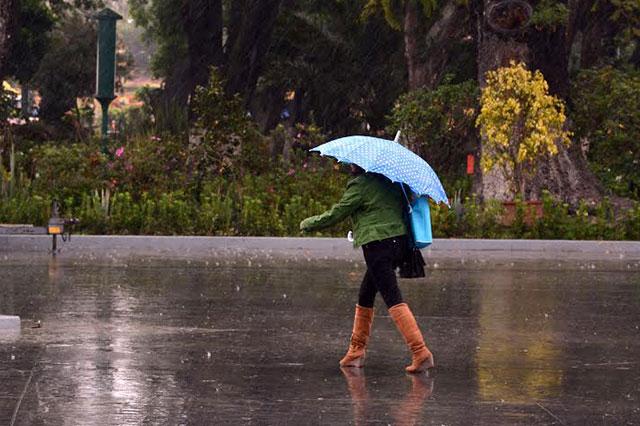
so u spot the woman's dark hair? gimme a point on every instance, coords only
(356, 170)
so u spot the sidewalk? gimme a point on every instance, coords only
(303, 249)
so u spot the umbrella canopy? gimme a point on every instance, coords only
(388, 158)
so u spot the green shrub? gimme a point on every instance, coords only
(62, 170)
(129, 217)
(632, 223)
(216, 213)
(606, 105)
(174, 215)
(150, 164)
(247, 208)
(24, 208)
(224, 141)
(439, 125)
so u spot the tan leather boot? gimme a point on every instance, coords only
(359, 337)
(422, 358)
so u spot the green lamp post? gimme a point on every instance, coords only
(106, 66)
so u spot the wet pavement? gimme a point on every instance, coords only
(181, 342)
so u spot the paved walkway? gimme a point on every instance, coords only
(183, 342)
(114, 247)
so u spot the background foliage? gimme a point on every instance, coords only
(226, 152)
(606, 103)
(439, 124)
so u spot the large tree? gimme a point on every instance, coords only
(251, 26)
(67, 70)
(189, 39)
(7, 27)
(338, 70)
(553, 36)
(31, 42)
(203, 23)
(505, 36)
(438, 37)
(52, 50)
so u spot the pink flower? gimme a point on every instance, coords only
(120, 152)
(291, 172)
(16, 121)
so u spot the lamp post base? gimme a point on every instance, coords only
(104, 128)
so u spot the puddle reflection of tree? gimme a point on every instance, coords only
(519, 355)
(405, 412)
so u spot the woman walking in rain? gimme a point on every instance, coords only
(375, 206)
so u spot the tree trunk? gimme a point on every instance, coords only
(598, 33)
(202, 22)
(591, 32)
(550, 50)
(635, 58)
(495, 51)
(431, 45)
(25, 102)
(171, 106)
(452, 29)
(566, 175)
(7, 26)
(412, 52)
(251, 26)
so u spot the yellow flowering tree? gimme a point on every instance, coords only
(520, 123)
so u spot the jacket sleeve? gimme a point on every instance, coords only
(350, 202)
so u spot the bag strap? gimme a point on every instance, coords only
(406, 198)
(407, 217)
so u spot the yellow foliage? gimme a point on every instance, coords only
(519, 120)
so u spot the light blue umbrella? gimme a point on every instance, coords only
(388, 158)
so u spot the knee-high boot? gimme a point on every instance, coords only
(422, 358)
(359, 338)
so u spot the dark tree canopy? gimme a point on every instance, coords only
(67, 70)
(189, 37)
(35, 21)
(7, 29)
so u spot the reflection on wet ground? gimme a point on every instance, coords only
(198, 344)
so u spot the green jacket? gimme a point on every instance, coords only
(375, 206)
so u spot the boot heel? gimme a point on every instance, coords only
(355, 363)
(425, 365)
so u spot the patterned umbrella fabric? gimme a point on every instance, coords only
(388, 158)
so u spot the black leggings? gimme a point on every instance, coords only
(382, 258)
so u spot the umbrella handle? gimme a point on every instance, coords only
(397, 138)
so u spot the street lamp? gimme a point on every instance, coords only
(106, 66)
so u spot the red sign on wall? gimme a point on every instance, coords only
(470, 164)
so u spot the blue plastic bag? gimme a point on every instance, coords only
(421, 222)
